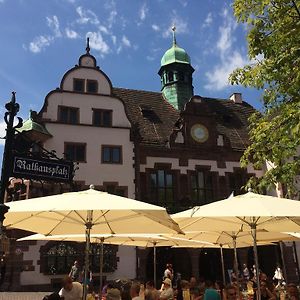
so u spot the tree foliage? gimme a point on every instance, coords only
(273, 34)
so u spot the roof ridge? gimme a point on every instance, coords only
(145, 91)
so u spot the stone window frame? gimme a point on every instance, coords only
(75, 144)
(102, 111)
(111, 147)
(206, 170)
(117, 187)
(69, 108)
(87, 86)
(83, 84)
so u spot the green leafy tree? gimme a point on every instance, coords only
(273, 34)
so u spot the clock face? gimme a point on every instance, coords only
(199, 133)
(87, 61)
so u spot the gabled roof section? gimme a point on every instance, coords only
(156, 118)
(153, 114)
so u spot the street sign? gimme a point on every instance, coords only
(42, 169)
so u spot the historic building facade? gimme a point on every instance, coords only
(171, 148)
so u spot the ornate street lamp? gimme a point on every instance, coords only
(12, 109)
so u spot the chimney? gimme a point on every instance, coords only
(236, 98)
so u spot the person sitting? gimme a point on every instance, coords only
(151, 293)
(292, 292)
(167, 292)
(135, 291)
(113, 294)
(265, 292)
(71, 290)
(194, 288)
(211, 292)
(230, 292)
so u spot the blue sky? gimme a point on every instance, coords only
(41, 40)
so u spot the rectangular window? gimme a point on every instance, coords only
(92, 86)
(202, 190)
(237, 180)
(161, 187)
(102, 117)
(75, 152)
(111, 154)
(68, 115)
(78, 85)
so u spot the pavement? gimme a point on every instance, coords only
(23, 295)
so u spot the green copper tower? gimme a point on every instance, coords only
(176, 75)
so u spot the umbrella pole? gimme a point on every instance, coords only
(154, 263)
(236, 266)
(222, 262)
(86, 261)
(283, 261)
(253, 232)
(101, 265)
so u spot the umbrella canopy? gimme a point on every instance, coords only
(105, 214)
(267, 212)
(90, 211)
(252, 211)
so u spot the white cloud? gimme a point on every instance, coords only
(86, 16)
(110, 6)
(114, 39)
(143, 12)
(103, 29)
(184, 3)
(208, 20)
(71, 34)
(218, 77)
(155, 27)
(229, 57)
(125, 41)
(2, 131)
(180, 24)
(53, 23)
(97, 42)
(39, 43)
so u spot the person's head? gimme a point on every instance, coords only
(135, 289)
(263, 285)
(209, 284)
(67, 283)
(113, 294)
(245, 266)
(167, 283)
(230, 292)
(263, 276)
(193, 281)
(185, 284)
(76, 263)
(292, 290)
(150, 285)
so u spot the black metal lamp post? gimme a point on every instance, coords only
(12, 109)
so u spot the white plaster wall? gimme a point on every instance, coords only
(126, 265)
(34, 277)
(93, 171)
(87, 73)
(193, 162)
(85, 103)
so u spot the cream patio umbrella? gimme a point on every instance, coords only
(250, 211)
(90, 211)
(137, 240)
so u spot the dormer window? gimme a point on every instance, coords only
(170, 76)
(78, 85)
(92, 86)
(68, 115)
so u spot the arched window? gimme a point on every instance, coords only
(59, 258)
(109, 258)
(170, 76)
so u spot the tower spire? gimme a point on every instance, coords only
(174, 36)
(88, 46)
